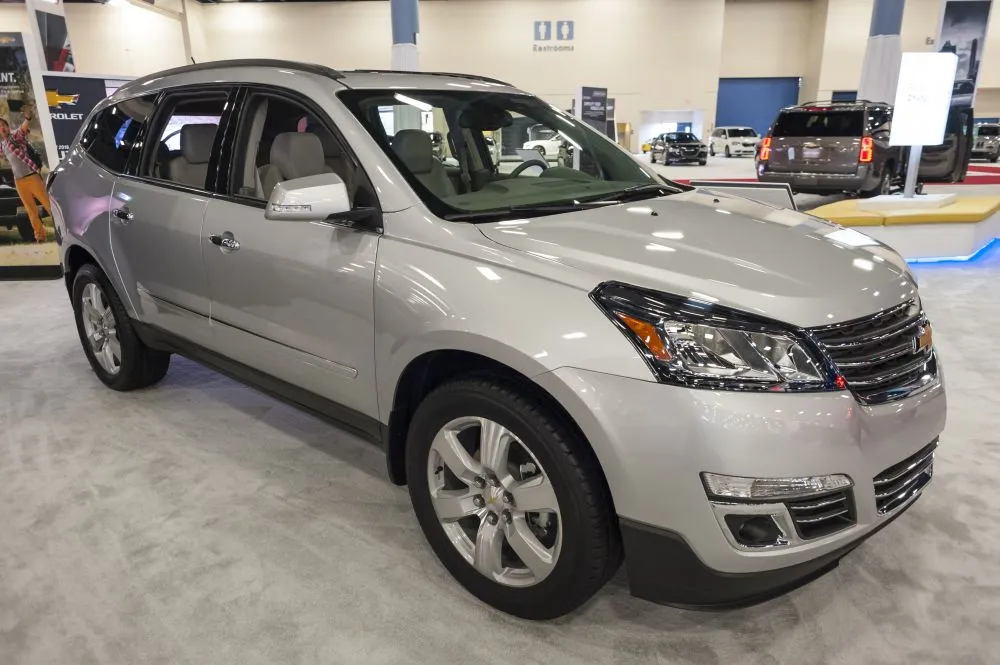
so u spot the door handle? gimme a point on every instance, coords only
(123, 215)
(225, 241)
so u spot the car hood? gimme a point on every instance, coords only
(722, 249)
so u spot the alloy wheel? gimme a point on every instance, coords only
(101, 328)
(494, 501)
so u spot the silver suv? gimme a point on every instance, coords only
(568, 365)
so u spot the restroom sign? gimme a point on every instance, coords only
(554, 36)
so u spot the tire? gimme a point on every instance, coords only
(702, 162)
(711, 150)
(728, 153)
(590, 549)
(540, 149)
(884, 184)
(995, 157)
(25, 230)
(138, 366)
(652, 157)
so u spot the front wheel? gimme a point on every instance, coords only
(711, 149)
(728, 152)
(540, 149)
(652, 157)
(995, 157)
(702, 162)
(116, 354)
(510, 499)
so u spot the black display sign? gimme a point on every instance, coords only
(71, 99)
(594, 107)
(612, 132)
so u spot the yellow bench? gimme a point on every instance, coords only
(964, 210)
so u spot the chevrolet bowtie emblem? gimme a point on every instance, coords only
(924, 340)
(55, 100)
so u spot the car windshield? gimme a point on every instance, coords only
(681, 137)
(988, 131)
(543, 160)
(742, 132)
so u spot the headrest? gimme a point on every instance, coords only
(298, 155)
(197, 141)
(414, 148)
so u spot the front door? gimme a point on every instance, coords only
(157, 212)
(293, 300)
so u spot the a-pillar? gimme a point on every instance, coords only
(880, 71)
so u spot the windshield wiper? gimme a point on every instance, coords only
(526, 209)
(639, 192)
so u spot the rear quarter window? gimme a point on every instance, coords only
(820, 124)
(112, 131)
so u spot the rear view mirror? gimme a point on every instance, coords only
(310, 199)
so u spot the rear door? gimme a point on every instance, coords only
(948, 162)
(817, 140)
(158, 208)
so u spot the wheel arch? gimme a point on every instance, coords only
(434, 368)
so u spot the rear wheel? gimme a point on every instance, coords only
(510, 499)
(884, 184)
(116, 354)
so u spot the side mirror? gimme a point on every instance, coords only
(313, 198)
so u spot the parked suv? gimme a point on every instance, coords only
(675, 147)
(987, 142)
(826, 147)
(733, 141)
(565, 364)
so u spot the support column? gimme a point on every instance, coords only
(880, 71)
(405, 26)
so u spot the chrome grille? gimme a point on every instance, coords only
(901, 482)
(880, 356)
(821, 516)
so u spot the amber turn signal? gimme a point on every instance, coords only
(648, 334)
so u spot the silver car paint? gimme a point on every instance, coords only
(519, 293)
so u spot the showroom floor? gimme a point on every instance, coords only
(202, 522)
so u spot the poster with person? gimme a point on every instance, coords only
(27, 247)
(963, 32)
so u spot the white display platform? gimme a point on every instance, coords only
(925, 243)
(898, 202)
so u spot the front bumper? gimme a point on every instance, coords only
(818, 183)
(653, 441)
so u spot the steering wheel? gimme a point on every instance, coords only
(520, 168)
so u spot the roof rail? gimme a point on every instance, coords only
(473, 77)
(310, 68)
(839, 101)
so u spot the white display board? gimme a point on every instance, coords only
(923, 98)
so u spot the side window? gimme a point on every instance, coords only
(112, 132)
(279, 139)
(182, 139)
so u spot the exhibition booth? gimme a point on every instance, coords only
(456, 331)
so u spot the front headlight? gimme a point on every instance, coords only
(699, 345)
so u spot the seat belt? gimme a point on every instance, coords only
(463, 159)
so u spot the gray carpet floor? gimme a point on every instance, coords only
(201, 522)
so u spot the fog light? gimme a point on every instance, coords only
(751, 489)
(755, 530)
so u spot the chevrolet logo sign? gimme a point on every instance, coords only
(924, 341)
